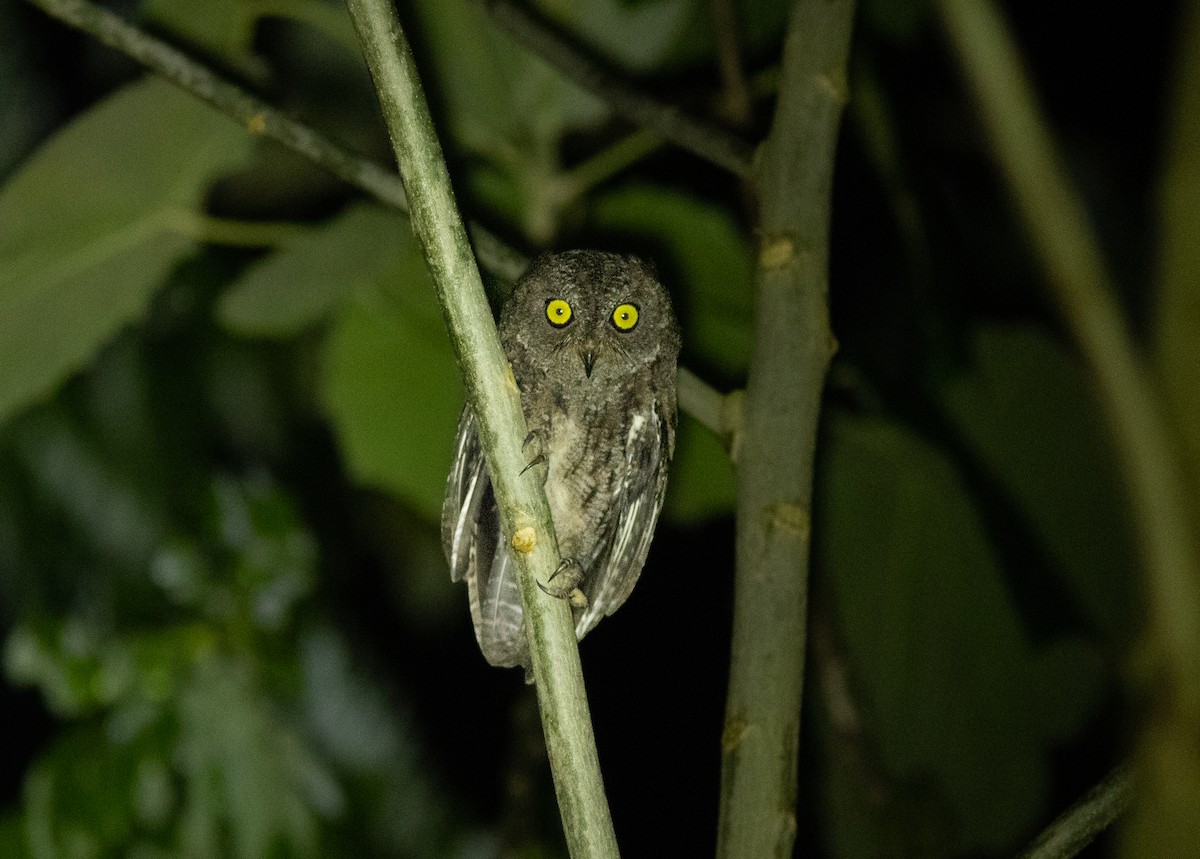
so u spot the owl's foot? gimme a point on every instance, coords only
(534, 440)
(570, 576)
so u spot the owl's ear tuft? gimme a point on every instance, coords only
(647, 265)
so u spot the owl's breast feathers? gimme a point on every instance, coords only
(607, 452)
(597, 449)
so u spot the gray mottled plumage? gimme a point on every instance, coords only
(599, 402)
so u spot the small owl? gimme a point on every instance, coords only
(593, 345)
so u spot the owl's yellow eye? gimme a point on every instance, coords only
(625, 317)
(558, 312)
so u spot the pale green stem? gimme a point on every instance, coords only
(774, 451)
(1079, 825)
(609, 162)
(493, 396)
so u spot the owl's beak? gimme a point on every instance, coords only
(589, 361)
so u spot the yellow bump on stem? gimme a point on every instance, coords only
(776, 251)
(257, 124)
(790, 518)
(524, 539)
(735, 731)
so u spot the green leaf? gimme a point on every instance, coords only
(634, 38)
(305, 281)
(392, 388)
(223, 26)
(85, 236)
(474, 68)
(1177, 338)
(246, 769)
(1026, 410)
(370, 735)
(78, 800)
(957, 697)
(702, 481)
(901, 21)
(702, 245)
(760, 24)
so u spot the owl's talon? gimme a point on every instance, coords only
(568, 586)
(537, 460)
(535, 438)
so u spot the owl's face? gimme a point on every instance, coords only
(587, 317)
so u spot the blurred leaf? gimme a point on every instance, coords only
(1026, 409)
(27, 101)
(504, 103)
(631, 37)
(79, 799)
(274, 555)
(897, 20)
(392, 389)
(223, 26)
(702, 479)
(369, 735)
(953, 690)
(103, 507)
(247, 770)
(304, 282)
(1164, 822)
(705, 248)
(474, 70)
(84, 228)
(1177, 339)
(759, 26)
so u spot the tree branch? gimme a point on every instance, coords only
(792, 349)
(492, 394)
(709, 142)
(1079, 825)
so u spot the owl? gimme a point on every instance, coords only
(593, 344)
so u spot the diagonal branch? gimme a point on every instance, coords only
(710, 142)
(492, 394)
(792, 349)
(1079, 825)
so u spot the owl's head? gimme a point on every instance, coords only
(588, 315)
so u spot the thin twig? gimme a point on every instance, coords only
(710, 142)
(493, 397)
(706, 402)
(792, 349)
(1079, 825)
(1066, 245)
(735, 100)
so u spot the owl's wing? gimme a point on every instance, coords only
(465, 492)
(471, 536)
(638, 499)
